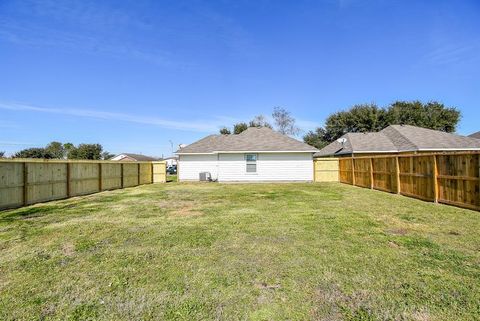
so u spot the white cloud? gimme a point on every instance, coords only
(13, 143)
(210, 125)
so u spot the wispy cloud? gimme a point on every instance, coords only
(209, 125)
(88, 27)
(14, 143)
(8, 125)
(32, 35)
(451, 54)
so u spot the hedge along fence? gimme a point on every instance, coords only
(29, 181)
(450, 178)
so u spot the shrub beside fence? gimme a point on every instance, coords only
(29, 181)
(450, 178)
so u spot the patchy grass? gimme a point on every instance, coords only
(251, 252)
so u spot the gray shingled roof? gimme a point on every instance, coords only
(400, 138)
(140, 157)
(251, 140)
(475, 135)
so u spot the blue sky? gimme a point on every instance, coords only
(137, 76)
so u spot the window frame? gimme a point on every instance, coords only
(251, 162)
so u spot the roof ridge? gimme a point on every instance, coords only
(400, 133)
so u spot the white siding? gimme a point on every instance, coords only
(190, 166)
(270, 167)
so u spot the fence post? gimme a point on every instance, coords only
(151, 167)
(314, 170)
(121, 175)
(353, 171)
(100, 178)
(25, 183)
(397, 174)
(371, 173)
(138, 174)
(69, 183)
(435, 179)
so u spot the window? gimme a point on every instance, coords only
(251, 161)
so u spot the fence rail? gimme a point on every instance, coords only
(29, 181)
(449, 178)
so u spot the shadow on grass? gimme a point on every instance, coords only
(32, 212)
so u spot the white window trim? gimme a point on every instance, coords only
(247, 162)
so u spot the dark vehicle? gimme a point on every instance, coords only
(172, 169)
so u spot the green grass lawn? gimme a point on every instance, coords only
(240, 252)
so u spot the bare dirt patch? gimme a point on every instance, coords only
(68, 249)
(183, 209)
(398, 231)
(266, 286)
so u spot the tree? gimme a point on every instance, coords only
(371, 118)
(316, 138)
(239, 127)
(225, 131)
(284, 122)
(2, 154)
(433, 115)
(86, 151)
(33, 153)
(107, 155)
(259, 121)
(56, 149)
(358, 119)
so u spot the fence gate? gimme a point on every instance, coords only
(326, 169)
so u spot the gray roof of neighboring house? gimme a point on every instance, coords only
(399, 138)
(139, 157)
(475, 135)
(252, 139)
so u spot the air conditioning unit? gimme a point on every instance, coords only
(205, 177)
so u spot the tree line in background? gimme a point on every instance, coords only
(358, 119)
(372, 118)
(283, 121)
(57, 150)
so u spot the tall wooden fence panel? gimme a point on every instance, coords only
(29, 181)
(384, 174)
(159, 173)
(345, 171)
(417, 177)
(450, 178)
(361, 172)
(325, 170)
(458, 180)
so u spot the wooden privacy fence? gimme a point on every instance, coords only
(450, 178)
(29, 181)
(325, 170)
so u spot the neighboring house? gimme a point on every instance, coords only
(256, 154)
(397, 139)
(475, 135)
(129, 157)
(170, 161)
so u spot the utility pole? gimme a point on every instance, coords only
(171, 145)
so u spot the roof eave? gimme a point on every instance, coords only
(247, 151)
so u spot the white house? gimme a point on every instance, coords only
(171, 161)
(256, 154)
